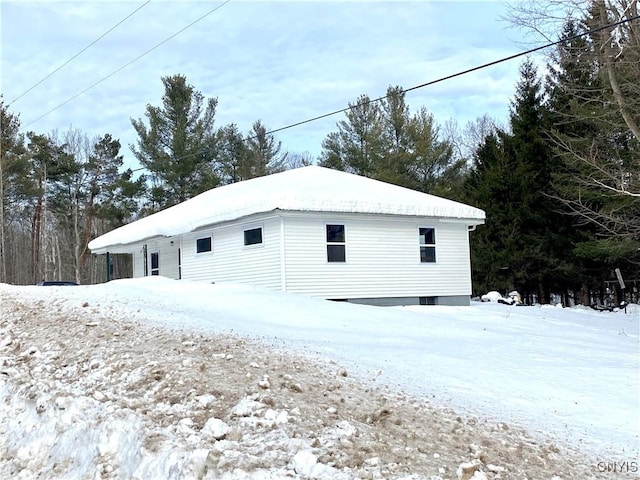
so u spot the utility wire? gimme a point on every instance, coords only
(80, 52)
(432, 82)
(128, 63)
(454, 75)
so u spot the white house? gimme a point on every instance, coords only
(312, 231)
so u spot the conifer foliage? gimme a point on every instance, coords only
(384, 141)
(178, 146)
(511, 180)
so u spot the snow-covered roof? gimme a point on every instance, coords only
(307, 189)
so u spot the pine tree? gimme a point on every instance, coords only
(512, 181)
(232, 159)
(382, 140)
(13, 169)
(357, 146)
(179, 145)
(264, 152)
(489, 186)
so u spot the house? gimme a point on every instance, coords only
(312, 231)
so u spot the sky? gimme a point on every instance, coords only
(80, 372)
(280, 62)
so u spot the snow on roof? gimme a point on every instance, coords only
(307, 189)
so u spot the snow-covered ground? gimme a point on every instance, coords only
(155, 378)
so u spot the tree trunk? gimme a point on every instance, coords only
(3, 245)
(607, 55)
(77, 238)
(59, 259)
(35, 242)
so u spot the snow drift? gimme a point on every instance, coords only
(153, 378)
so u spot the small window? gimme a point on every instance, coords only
(253, 236)
(336, 245)
(427, 300)
(427, 245)
(203, 245)
(155, 263)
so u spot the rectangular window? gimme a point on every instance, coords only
(253, 236)
(336, 245)
(155, 263)
(427, 300)
(427, 245)
(203, 245)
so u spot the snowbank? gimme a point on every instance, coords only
(154, 378)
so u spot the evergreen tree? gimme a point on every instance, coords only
(512, 182)
(397, 152)
(432, 167)
(489, 186)
(47, 162)
(178, 146)
(357, 146)
(382, 140)
(86, 198)
(233, 156)
(13, 171)
(603, 90)
(243, 157)
(264, 152)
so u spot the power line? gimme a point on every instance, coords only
(80, 52)
(454, 75)
(432, 82)
(128, 63)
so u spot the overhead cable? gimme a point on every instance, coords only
(432, 82)
(81, 52)
(128, 63)
(454, 75)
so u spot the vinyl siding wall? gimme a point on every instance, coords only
(138, 262)
(382, 258)
(167, 256)
(230, 260)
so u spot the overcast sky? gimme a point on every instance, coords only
(277, 61)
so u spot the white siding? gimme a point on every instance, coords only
(383, 258)
(230, 260)
(138, 262)
(168, 256)
(382, 252)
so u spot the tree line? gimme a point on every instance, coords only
(60, 190)
(559, 182)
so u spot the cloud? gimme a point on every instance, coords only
(281, 62)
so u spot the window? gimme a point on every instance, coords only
(155, 263)
(203, 245)
(427, 300)
(427, 245)
(336, 246)
(253, 236)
